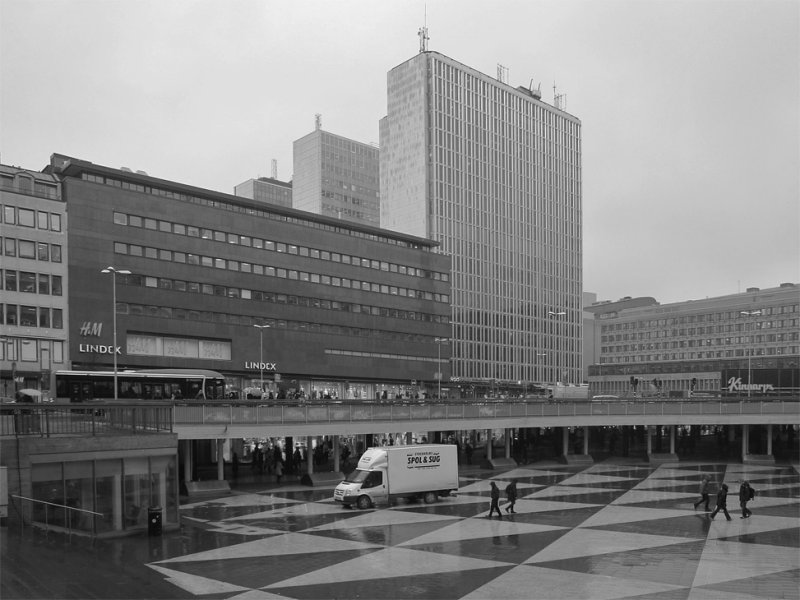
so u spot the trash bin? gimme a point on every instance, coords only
(154, 520)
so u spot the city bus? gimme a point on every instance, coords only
(168, 385)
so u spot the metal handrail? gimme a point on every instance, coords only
(46, 503)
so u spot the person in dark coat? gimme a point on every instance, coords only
(744, 498)
(703, 493)
(722, 502)
(511, 494)
(495, 502)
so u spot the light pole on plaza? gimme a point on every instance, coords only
(114, 273)
(553, 313)
(439, 342)
(750, 313)
(261, 329)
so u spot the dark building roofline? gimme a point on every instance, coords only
(608, 307)
(67, 166)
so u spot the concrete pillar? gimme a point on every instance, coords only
(649, 440)
(565, 441)
(488, 444)
(221, 459)
(586, 439)
(745, 440)
(508, 434)
(187, 460)
(409, 438)
(336, 453)
(309, 455)
(672, 439)
(769, 439)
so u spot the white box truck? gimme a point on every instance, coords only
(390, 472)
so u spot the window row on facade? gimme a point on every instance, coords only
(28, 217)
(22, 315)
(31, 249)
(207, 316)
(210, 289)
(273, 246)
(250, 211)
(270, 271)
(31, 283)
(31, 349)
(713, 317)
(695, 331)
(728, 353)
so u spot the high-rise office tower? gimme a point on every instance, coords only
(266, 189)
(336, 177)
(493, 174)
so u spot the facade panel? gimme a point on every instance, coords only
(33, 280)
(494, 175)
(358, 308)
(736, 343)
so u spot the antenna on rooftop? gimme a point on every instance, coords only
(318, 121)
(502, 73)
(274, 168)
(559, 100)
(423, 33)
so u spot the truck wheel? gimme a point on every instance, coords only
(430, 497)
(364, 502)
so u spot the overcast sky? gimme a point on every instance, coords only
(691, 158)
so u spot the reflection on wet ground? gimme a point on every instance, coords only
(606, 531)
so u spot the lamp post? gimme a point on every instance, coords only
(114, 273)
(261, 329)
(439, 342)
(750, 313)
(552, 313)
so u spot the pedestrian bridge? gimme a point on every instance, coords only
(245, 421)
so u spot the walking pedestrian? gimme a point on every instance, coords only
(278, 469)
(745, 495)
(703, 493)
(511, 494)
(235, 465)
(722, 502)
(495, 502)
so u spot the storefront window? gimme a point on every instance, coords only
(79, 493)
(109, 497)
(136, 492)
(47, 485)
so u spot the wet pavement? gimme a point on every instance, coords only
(612, 530)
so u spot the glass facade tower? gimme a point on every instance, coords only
(336, 177)
(493, 174)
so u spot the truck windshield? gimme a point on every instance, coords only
(357, 476)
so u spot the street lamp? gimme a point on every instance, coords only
(261, 329)
(439, 342)
(750, 313)
(114, 273)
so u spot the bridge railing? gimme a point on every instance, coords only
(239, 414)
(106, 418)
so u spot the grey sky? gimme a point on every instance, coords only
(691, 158)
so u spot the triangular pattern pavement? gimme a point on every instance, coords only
(609, 531)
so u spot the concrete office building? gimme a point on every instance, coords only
(493, 174)
(33, 278)
(351, 310)
(267, 190)
(738, 343)
(336, 177)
